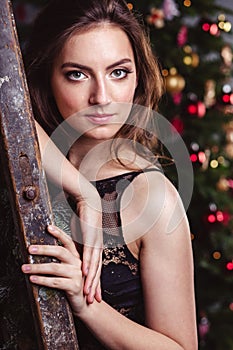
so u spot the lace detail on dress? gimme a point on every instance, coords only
(118, 255)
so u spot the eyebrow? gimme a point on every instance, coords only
(81, 66)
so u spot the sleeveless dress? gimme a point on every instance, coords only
(120, 277)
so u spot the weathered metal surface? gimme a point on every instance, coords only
(31, 317)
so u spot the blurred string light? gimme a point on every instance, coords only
(195, 146)
(211, 218)
(229, 266)
(217, 216)
(197, 108)
(187, 3)
(214, 164)
(198, 157)
(223, 24)
(130, 6)
(217, 255)
(191, 58)
(227, 95)
(212, 28)
(213, 207)
(215, 28)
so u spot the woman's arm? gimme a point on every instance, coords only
(167, 274)
(166, 258)
(64, 174)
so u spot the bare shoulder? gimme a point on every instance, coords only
(151, 204)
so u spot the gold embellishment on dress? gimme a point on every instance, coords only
(117, 255)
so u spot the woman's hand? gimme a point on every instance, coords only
(89, 223)
(65, 275)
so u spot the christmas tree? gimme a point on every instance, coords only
(190, 40)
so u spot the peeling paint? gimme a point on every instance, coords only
(3, 80)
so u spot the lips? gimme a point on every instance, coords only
(99, 118)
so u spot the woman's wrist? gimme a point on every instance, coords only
(85, 312)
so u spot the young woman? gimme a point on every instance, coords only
(90, 66)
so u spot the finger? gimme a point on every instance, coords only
(92, 252)
(54, 269)
(94, 269)
(87, 256)
(95, 292)
(58, 252)
(55, 282)
(64, 239)
(98, 294)
(94, 289)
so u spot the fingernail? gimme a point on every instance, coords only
(51, 228)
(33, 278)
(85, 271)
(33, 249)
(26, 268)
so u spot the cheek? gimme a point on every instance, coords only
(125, 95)
(68, 103)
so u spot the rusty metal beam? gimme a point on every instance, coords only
(27, 188)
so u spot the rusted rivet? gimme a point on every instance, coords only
(29, 193)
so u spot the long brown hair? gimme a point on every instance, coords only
(55, 24)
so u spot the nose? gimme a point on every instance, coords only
(99, 92)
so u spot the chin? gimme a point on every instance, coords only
(102, 133)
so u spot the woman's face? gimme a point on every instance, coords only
(94, 80)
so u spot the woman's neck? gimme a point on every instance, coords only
(80, 149)
(96, 159)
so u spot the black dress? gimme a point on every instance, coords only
(120, 277)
